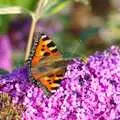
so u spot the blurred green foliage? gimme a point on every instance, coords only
(5, 19)
(55, 6)
(4, 22)
(69, 45)
(88, 33)
(2, 71)
(29, 7)
(26, 4)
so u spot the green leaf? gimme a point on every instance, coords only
(2, 71)
(26, 4)
(54, 7)
(4, 21)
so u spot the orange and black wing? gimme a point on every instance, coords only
(47, 67)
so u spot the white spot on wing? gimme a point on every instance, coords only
(44, 36)
(52, 48)
(53, 91)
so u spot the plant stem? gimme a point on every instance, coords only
(31, 33)
(35, 18)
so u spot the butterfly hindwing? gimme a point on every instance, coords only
(50, 80)
(47, 67)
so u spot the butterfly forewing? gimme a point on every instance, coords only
(44, 47)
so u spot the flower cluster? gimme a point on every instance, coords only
(89, 91)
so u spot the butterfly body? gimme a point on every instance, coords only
(46, 64)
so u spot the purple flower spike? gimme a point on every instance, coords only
(89, 91)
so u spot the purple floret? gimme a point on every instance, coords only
(89, 91)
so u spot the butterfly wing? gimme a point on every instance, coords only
(49, 77)
(47, 67)
(42, 47)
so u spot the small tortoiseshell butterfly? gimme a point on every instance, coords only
(46, 64)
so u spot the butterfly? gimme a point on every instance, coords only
(46, 64)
